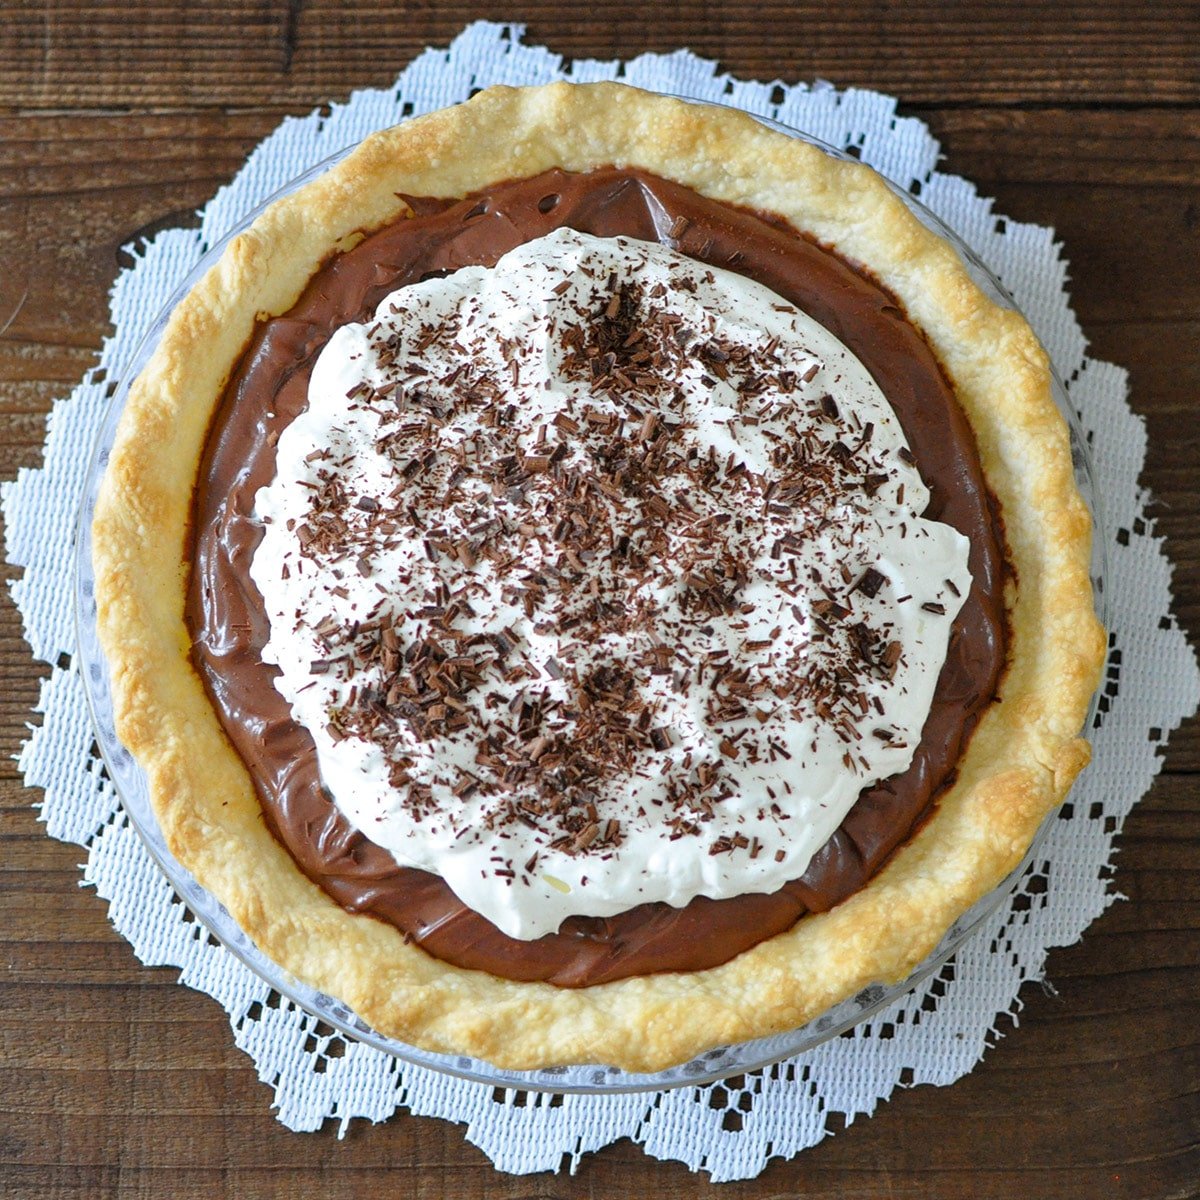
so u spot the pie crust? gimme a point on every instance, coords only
(1021, 759)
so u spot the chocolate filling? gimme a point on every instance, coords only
(224, 613)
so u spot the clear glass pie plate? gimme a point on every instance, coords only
(131, 784)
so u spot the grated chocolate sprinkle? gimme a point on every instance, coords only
(577, 572)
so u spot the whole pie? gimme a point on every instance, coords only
(590, 579)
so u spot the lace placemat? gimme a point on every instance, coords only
(934, 1035)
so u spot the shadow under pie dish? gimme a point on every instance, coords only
(623, 621)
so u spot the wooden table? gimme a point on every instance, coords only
(117, 119)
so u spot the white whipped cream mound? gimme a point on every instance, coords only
(599, 577)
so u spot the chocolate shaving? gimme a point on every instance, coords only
(870, 582)
(578, 518)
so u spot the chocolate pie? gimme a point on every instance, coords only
(591, 578)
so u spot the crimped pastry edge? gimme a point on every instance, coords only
(1020, 762)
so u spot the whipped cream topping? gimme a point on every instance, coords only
(598, 577)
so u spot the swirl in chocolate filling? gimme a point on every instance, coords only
(229, 628)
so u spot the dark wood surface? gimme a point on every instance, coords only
(120, 118)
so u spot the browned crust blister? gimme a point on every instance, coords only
(1021, 760)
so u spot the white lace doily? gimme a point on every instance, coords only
(934, 1035)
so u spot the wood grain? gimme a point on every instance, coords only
(242, 52)
(117, 120)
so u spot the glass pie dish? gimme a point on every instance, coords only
(132, 787)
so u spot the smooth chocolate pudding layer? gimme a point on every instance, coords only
(229, 628)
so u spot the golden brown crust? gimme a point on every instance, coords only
(1021, 760)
